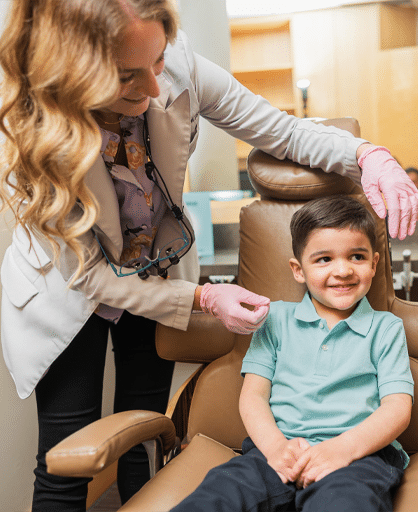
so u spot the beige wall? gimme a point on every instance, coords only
(18, 431)
(213, 165)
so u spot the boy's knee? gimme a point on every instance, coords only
(340, 492)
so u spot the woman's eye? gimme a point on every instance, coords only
(126, 79)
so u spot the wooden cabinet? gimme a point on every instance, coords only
(261, 59)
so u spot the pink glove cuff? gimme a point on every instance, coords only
(370, 150)
(205, 290)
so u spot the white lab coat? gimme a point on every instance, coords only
(40, 315)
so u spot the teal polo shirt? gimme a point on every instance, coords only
(326, 382)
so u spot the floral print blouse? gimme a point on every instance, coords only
(141, 205)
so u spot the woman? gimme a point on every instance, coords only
(101, 103)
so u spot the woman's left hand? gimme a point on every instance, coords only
(382, 175)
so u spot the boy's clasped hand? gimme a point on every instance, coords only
(295, 460)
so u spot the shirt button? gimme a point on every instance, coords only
(321, 325)
(132, 149)
(325, 347)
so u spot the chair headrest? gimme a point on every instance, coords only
(284, 179)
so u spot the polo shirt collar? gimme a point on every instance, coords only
(362, 317)
(359, 321)
(306, 311)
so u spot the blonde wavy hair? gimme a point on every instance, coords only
(58, 63)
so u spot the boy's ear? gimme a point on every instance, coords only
(375, 261)
(297, 270)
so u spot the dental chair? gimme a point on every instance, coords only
(206, 417)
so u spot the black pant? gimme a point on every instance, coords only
(249, 484)
(70, 397)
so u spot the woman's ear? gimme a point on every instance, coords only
(297, 270)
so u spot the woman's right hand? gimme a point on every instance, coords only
(224, 301)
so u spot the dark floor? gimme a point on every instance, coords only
(108, 502)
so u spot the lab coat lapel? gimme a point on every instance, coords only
(169, 130)
(100, 183)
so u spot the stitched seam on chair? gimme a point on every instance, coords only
(289, 187)
(282, 186)
(214, 441)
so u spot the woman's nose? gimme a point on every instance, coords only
(149, 86)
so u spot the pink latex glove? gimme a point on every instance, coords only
(224, 301)
(381, 174)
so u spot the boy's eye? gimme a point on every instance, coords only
(324, 259)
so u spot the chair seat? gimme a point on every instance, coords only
(180, 477)
(184, 473)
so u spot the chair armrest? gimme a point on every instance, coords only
(205, 340)
(96, 446)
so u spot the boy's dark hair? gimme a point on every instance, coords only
(330, 212)
(411, 170)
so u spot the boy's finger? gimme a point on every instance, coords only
(283, 478)
(303, 443)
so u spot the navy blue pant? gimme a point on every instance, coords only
(70, 397)
(249, 484)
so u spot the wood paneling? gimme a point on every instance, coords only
(361, 62)
(397, 94)
(262, 60)
(397, 27)
(336, 50)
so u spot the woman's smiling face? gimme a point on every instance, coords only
(140, 59)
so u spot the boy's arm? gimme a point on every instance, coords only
(376, 432)
(260, 424)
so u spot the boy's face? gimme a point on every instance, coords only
(338, 266)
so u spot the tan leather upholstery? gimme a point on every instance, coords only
(205, 340)
(265, 248)
(406, 498)
(186, 470)
(95, 447)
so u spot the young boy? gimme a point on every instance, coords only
(327, 385)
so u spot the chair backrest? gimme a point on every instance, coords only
(265, 249)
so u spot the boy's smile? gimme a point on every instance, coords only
(338, 266)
